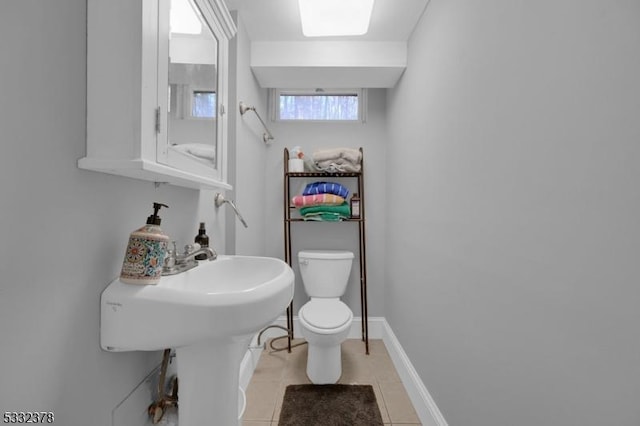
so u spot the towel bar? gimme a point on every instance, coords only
(266, 136)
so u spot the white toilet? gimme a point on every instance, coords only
(325, 320)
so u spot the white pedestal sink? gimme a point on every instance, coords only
(209, 314)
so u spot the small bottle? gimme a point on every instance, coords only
(144, 258)
(355, 206)
(203, 239)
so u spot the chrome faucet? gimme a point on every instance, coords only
(175, 263)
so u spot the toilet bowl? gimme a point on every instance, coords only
(325, 321)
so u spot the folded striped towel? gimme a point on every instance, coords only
(317, 199)
(326, 188)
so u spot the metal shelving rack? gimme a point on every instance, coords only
(288, 220)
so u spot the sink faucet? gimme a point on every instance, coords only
(176, 263)
(220, 200)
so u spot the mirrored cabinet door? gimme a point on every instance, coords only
(156, 90)
(189, 89)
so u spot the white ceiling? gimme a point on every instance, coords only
(279, 20)
(282, 57)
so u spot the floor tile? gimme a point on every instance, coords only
(270, 367)
(355, 346)
(355, 369)
(296, 370)
(380, 400)
(377, 346)
(280, 397)
(383, 368)
(398, 403)
(261, 401)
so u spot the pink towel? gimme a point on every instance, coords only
(317, 199)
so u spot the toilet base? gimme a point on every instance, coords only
(324, 358)
(324, 364)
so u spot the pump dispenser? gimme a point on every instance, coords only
(145, 253)
(203, 239)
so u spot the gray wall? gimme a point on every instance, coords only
(512, 272)
(249, 152)
(64, 230)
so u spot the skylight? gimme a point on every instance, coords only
(335, 17)
(183, 18)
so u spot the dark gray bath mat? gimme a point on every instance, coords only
(330, 405)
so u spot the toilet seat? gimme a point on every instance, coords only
(326, 314)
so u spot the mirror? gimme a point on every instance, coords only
(193, 85)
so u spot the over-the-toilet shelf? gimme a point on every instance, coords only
(337, 213)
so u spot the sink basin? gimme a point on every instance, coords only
(230, 296)
(209, 314)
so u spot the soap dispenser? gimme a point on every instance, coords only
(203, 239)
(145, 253)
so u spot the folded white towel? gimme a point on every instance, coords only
(339, 165)
(351, 155)
(200, 150)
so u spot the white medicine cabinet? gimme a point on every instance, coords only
(157, 77)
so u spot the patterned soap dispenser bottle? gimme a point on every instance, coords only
(144, 258)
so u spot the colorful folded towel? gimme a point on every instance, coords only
(326, 188)
(328, 213)
(317, 199)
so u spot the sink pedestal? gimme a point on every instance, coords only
(208, 381)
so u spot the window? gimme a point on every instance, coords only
(203, 104)
(318, 105)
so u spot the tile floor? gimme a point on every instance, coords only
(276, 370)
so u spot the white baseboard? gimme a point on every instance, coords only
(425, 406)
(423, 403)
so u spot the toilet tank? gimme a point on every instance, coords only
(325, 273)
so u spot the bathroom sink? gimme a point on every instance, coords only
(230, 296)
(209, 314)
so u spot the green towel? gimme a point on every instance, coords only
(324, 217)
(325, 212)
